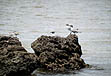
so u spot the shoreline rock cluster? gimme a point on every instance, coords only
(14, 59)
(54, 54)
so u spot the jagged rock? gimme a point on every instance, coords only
(58, 54)
(57, 44)
(18, 64)
(11, 43)
(14, 59)
(53, 54)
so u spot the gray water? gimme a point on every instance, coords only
(33, 18)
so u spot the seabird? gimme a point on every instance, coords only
(69, 29)
(16, 33)
(73, 31)
(69, 25)
(52, 32)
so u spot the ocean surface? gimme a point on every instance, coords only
(33, 18)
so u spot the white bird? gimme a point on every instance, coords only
(53, 33)
(16, 33)
(69, 25)
(73, 31)
(13, 34)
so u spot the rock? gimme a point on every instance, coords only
(74, 39)
(14, 59)
(58, 54)
(57, 44)
(11, 43)
(52, 54)
(18, 64)
(13, 64)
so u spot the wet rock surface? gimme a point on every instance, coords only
(58, 54)
(14, 59)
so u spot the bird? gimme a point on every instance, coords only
(16, 33)
(13, 34)
(73, 31)
(69, 29)
(53, 33)
(69, 25)
(77, 29)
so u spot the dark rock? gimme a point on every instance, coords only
(52, 54)
(57, 44)
(11, 44)
(74, 39)
(14, 59)
(18, 64)
(58, 54)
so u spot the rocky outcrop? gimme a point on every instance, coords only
(11, 44)
(18, 64)
(58, 54)
(52, 54)
(14, 59)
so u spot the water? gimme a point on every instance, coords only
(33, 18)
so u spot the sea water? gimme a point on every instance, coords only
(33, 18)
